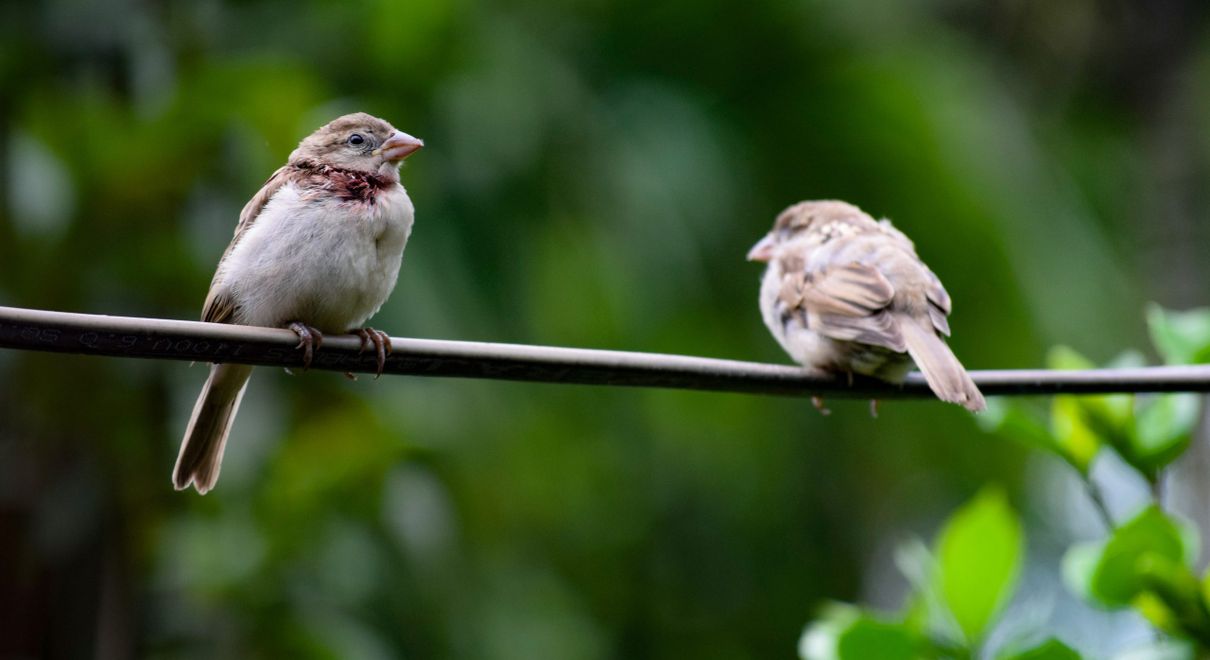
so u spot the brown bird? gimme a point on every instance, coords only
(316, 250)
(845, 293)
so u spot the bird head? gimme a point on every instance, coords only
(795, 225)
(358, 142)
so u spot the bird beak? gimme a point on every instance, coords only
(399, 146)
(763, 250)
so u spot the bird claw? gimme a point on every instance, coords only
(817, 401)
(309, 339)
(382, 346)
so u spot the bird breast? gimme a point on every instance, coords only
(319, 258)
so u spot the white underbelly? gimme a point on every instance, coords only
(329, 264)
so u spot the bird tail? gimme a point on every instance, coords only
(202, 449)
(944, 373)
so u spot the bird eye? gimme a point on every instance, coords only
(356, 139)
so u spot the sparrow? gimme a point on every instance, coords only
(845, 293)
(317, 250)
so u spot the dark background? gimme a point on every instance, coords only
(593, 176)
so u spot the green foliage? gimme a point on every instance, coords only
(979, 555)
(1148, 432)
(870, 638)
(1163, 430)
(1071, 436)
(1113, 572)
(1180, 337)
(844, 632)
(1144, 563)
(1051, 649)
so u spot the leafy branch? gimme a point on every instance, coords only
(1143, 563)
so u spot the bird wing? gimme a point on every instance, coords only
(939, 304)
(220, 305)
(847, 302)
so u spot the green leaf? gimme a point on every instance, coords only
(1018, 423)
(1157, 612)
(924, 609)
(1066, 358)
(871, 638)
(1108, 417)
(846, 632)
(1074, 440)
(1173, 597)
(1206, 589)
(1147, 439)
(1173, 600)
(1079, 566)
(1164, 429)
(1180, 337)
(821, 638)
(1051, 649)
(979, 554)
(1110, 414)
(1113, 572)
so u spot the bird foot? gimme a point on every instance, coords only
(817, 401)
(382, 346)
(309, 339)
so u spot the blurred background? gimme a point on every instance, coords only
(593, 176)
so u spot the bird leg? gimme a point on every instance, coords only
(309, 339)
(817, 401)
(381, 342)
(874, 408)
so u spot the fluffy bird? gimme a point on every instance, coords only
(845, 293)
(316, 250)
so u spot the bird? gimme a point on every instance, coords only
(844, 293)
(317, 250)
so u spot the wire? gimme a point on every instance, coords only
(133, 337)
